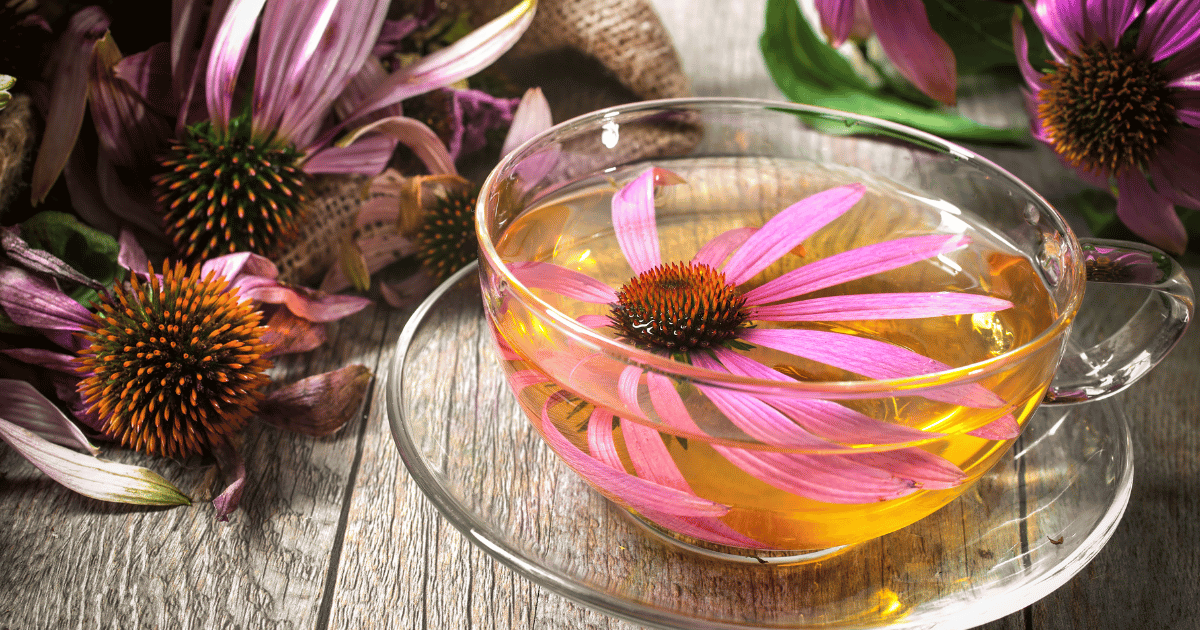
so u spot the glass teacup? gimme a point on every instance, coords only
(769, 327)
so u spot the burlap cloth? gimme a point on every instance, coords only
(16, 144)
(584, 54)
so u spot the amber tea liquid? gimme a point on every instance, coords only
(572, 228)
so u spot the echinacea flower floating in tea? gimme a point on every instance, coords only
(229, 157)
(174, 364)
(1120, 104)
(707, 313)
(904, 33)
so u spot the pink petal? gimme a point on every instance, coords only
(928, 471)
(1032, 77)
(916, 50)
(837, 19)
(1176, 168)
(1149, 214)
(49, 359)
(68, 98)
(669, 405)
(875, 306)
(822, 417)
(313, 52)
(788, 229)
(130, 254)
(753, 415)
(288, 334)
(371, 74)
(229, 47)
(187, 19)
(825, 478)
(27, 408)
(415, 135)
(240, 267)
(1109, 19)
(634, 222)
(1062, 22)
(318, 405)
(1170, 26)
(314, 306)
(852, 265)
(1003, 428)
(714, 252)
(377, 252)
(149, 74)
(594, 321)
(367, 156)
(522, 379)
(870, 358)
(620, 486)
(465, 57)
(627, 388)
(600, 438)
(563, 281)
(531, 118)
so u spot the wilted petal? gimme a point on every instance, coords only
(49, 359)
(233, 470)
(367, 156)
(288, 334)
(314, 306)
(27, 408)
(40, 260)
(1003, 428)
(837, 19)
(714, 252)
(457, 61)
(132, 204)
(563, 281)
(409, 291)
(376, 252)
(871, 358)
(35, 302)
(917, 51)
(1149, 214)
(229, 47)
(852, 265)
(531, 118)
(371, 74)
(619, 485)
(875, 306)
(130, 254)
(91, 476)
(413, 134)
(241, 267)
(784, 231)
(68, 97)
(149, 74)
(318, 405)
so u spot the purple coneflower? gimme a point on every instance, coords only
(230, 158)
(175, 364)
(905, 35)
(1120, 103)
(697, 312)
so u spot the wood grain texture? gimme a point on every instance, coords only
(334, 533)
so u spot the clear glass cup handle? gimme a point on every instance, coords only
(1087, 374)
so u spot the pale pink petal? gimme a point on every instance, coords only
(825, 478)
(917, 51)
(627, 388)
(130, 254)
(669, 405)
(229, 47)
(1149, 214)
(926, 470)
(522, 379)
(620, 486)
(367, 156)
(824, 418)
(331, 42)
(371, 74)
(634, 222)
(563, 281)
(27, 408)
(875, 306)
(531, 118)
(413, 134)
(852, 265)
(68, 98)
(241, 267)
(714, 252)
(594, 321)
(315, 306)
(788, 229)
(871, 358)
(35, 302)
(1170, 26)
(465, 57)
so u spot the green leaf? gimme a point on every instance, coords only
(90, 251)
(808, 70)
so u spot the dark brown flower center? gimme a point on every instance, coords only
(1106, 110)
(174, 365)
(679, 307)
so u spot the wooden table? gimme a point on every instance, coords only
(333, 533)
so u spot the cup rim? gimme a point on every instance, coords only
(646, 359)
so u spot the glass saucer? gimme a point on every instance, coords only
(1033, 522)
